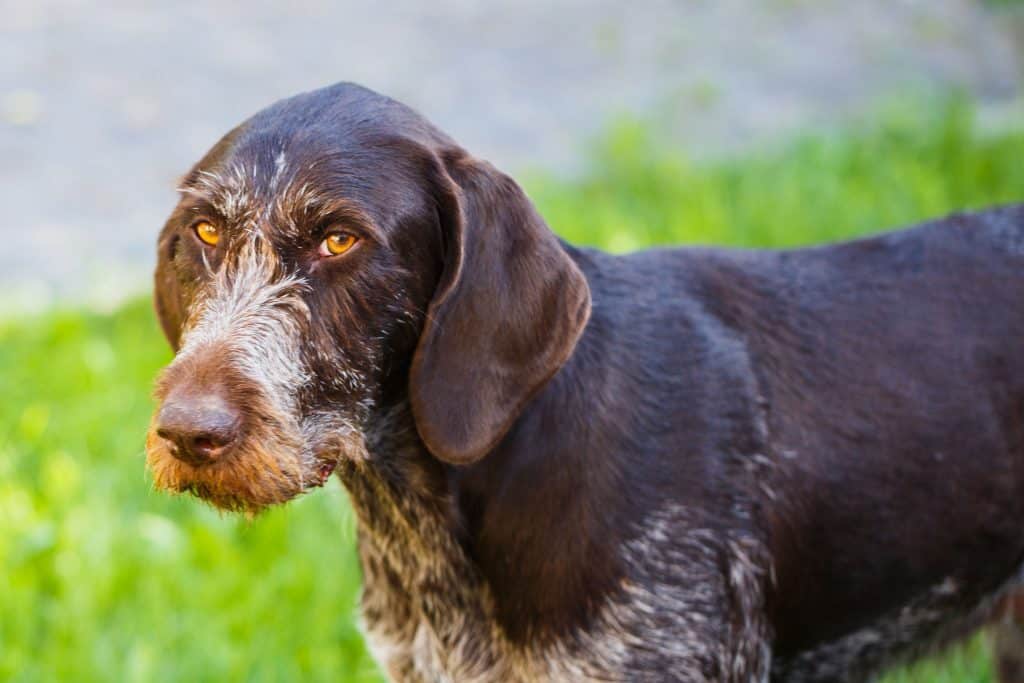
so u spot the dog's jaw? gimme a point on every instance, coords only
(260, 473)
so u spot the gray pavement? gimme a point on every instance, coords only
(104, 105)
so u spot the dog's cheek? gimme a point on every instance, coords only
(363, 329)
(342, 370)
(339, 346)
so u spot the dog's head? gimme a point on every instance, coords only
(332, 254)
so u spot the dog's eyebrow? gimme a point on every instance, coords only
(349, 214)
(202, 184)
(299, 198)
(186, 188)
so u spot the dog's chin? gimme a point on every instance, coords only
(249, 479)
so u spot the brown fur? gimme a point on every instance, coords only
(1009, 641)
(681, 464)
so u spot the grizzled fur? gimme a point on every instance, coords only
(680, 464)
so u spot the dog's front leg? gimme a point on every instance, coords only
(1009, 641)
(388, 617)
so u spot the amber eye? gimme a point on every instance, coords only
(207, 233)
(337, 243)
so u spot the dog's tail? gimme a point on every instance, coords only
(1009, 641)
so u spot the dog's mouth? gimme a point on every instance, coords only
(265, 470)
(323, 473)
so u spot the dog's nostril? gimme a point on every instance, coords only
(208, 446)
(199, 429)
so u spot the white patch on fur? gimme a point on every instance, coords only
(280, 168)
(673, 617)
(256, 315)
(231, 191)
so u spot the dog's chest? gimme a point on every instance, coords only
(424, 608)
(422, 629)
(411, 652)
(440, 632)
(410, 647)
(404, 649)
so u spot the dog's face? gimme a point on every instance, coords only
(332, 255)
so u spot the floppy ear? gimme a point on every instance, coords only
(507, 312)
(167, 295)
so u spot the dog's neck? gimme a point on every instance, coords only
(400, 494)
(491, 527)
(415, 565)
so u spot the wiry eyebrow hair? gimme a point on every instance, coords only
(231, 190)
(235, 193)
(325, 210)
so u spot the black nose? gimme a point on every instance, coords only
(199, 429)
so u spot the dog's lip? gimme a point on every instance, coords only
(323, 472)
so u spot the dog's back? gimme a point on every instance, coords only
(892, 375)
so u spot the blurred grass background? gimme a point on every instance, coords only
(106, 580)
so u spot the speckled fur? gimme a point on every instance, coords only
(943, 615)
(429, 616)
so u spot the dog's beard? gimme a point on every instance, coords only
(263, 471)
(269, 466)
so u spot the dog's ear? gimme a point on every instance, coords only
(167, 294)
(508, 310)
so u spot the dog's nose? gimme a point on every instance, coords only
(199, 429)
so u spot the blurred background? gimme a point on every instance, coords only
(746, 122)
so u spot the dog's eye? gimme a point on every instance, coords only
(207, 233)
(337, 243)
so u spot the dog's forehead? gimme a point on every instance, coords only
(271, 180)
(348, 111)
(341, 150)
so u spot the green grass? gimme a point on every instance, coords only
(104, 579)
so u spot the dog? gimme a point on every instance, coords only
(691, 464)
(1009, 641)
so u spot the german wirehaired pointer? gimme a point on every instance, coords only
(674, 465)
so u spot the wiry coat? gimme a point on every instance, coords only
(681, 464)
